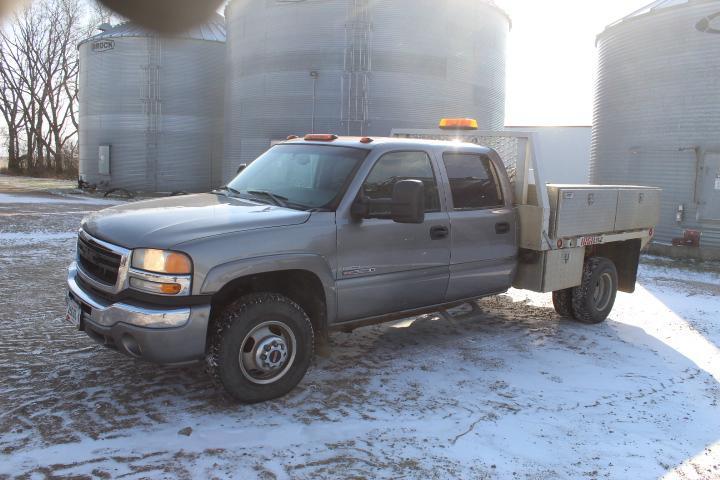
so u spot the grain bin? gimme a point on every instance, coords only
(151, 108)
(657, 112)
(359, 67)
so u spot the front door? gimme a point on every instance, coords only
(483, 236)
(387, 267)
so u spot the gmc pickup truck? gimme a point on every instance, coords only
(324, 233)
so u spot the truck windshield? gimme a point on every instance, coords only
(309, 177)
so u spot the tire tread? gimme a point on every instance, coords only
(234, 312)
(562, 301)
(580, 294)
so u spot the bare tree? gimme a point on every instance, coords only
(39, 73)
(59, 71)
(102, 14)
(12, 112)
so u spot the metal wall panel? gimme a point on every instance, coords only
(657, 109)
(158, 103)
(381, 64)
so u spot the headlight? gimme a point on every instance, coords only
(160, 272)
(161, 261)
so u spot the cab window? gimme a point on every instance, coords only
(395, 166)
(474, 182)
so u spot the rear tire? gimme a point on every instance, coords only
(593, 300)
(562, 301)
(260, 347)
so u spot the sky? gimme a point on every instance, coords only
(552, 58)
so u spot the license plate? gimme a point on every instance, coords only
(74, 312)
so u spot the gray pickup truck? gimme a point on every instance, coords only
(324, 233)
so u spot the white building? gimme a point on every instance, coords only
(563, 151)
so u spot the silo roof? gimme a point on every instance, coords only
(501, 10)
(212, 31)
(491, 3)
(656, 7)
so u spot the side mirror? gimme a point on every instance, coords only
(408, 202)
(241, 167)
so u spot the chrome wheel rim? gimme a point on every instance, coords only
(602, 292)
(267, 352)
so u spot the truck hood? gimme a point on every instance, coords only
(166, 222)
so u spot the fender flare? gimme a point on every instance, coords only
(221, 275)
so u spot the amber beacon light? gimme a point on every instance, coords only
(459, 124)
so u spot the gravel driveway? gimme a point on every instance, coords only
(502, 390)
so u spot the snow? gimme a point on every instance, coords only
(504, 390)
(6, 198)
(40, 236)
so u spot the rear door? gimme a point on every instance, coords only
(387, 267)
(483, 226)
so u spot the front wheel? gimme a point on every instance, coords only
(593, 300)
(260, 347)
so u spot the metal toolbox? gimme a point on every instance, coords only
(578, 210)
(638, 207)
(550, 270)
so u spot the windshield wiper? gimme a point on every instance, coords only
(278, 200)
(227, 189)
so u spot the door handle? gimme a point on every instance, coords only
(438, 232)
(502, 228)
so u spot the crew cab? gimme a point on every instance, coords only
(324, 233)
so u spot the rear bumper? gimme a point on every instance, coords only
(156, 334)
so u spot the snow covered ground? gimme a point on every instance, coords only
(504, 391)
(15, 199)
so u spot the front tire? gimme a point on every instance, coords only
(593, 300)
(260, 347)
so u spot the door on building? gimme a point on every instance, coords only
(710, 188)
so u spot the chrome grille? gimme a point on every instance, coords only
(97, 261)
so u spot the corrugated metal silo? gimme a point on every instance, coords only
(359, 67)
(657, 112)
(151, 108)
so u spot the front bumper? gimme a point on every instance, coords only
(156, 334)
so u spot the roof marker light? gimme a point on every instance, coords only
(320, 137)
(366, 140)
(292, 137)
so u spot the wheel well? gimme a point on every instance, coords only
(626, 257)
(300, 286)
